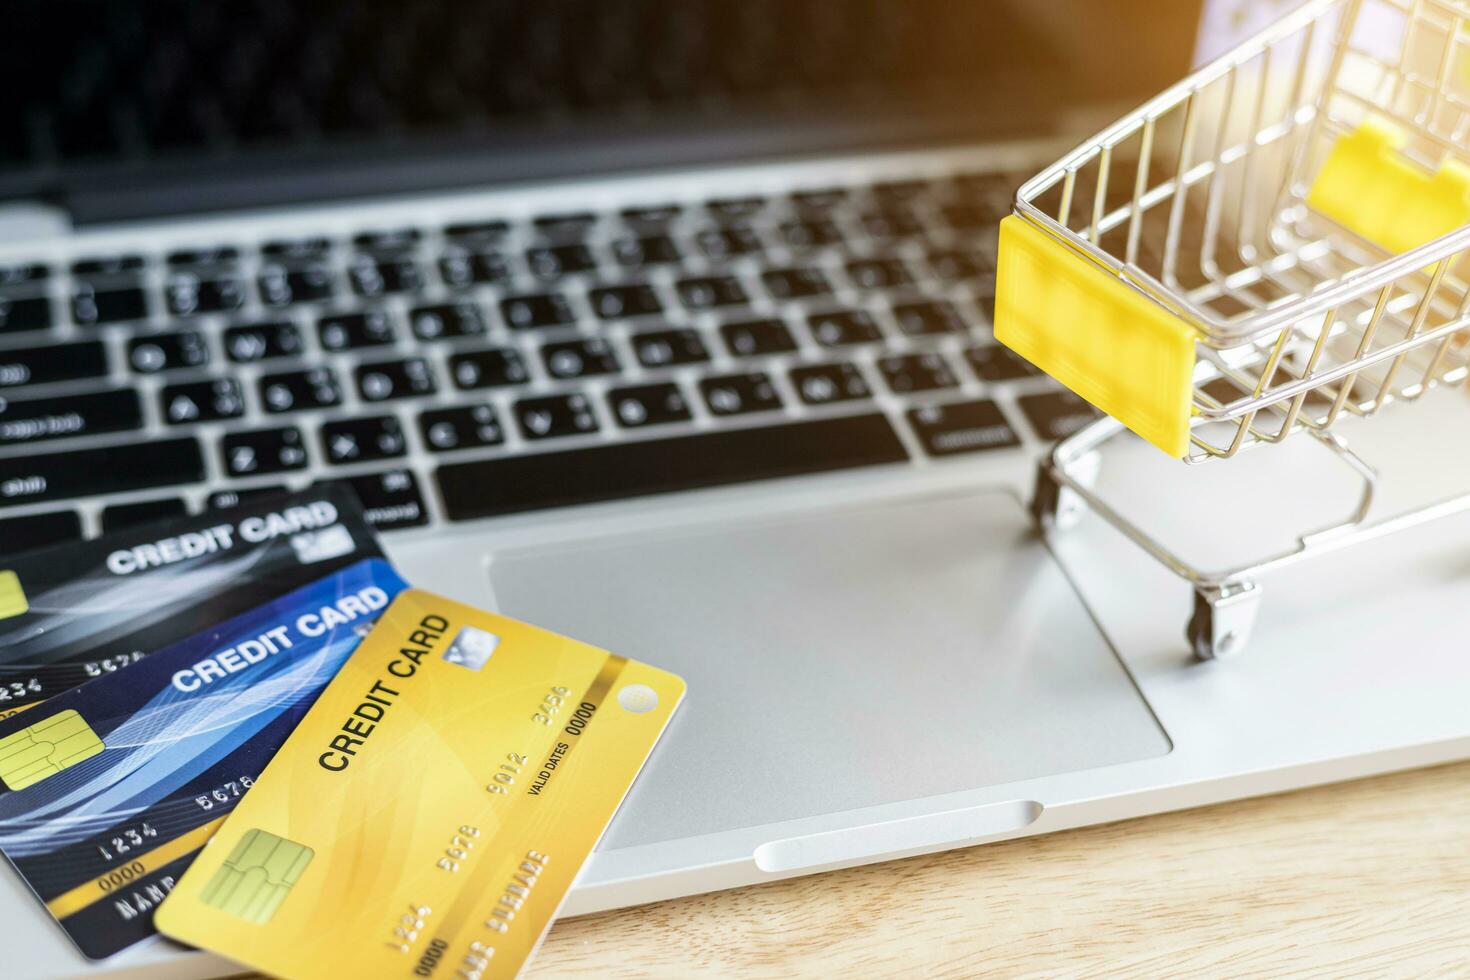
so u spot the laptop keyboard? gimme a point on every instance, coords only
(513, 365)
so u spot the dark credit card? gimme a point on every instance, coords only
(74, 612)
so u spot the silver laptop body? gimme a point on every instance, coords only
(724, 398)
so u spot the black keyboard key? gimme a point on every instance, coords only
(907, 373)
(878, 273)
(59, 362)
(295, 391)
(91, 306)
(740, 394)
(36, 478)
(462, 269)
(446, 321)
(726, 243)
(649, 250)
(537, 481)
(355, 331)
(823, 199)
(900, 191)
(202, 401)
(708, 292)
(844, 327)
(735, 208)
(297, 248)
(554, 261)
(612, 302)
(253, 342)
(387, 380)
(579, 359)
(487, 369)
(566, 227)
(985, 299)
(968, 217)
(189, 294)
(28, 420)
(643, 405)
(669, 348)
(389, 240)
(531, 312)
(1057, 414)
(892, 223)
(363, 439)
(993, 362)
(555, 415)
(39, 530)
(958, 266)
(127, 515)
(655, 216)
(823, 384)
(478, 231)
(263, 451)
(390, 500)
(961, 427)
(462, 427)
(373, 275)
(811, 234)
(19, 313)
(282, 285)
(751, 338)
(928, 318)
(17, 275)
(206, 256)
(795, 283)
(107, 265)
(234, 497)
(167, 352)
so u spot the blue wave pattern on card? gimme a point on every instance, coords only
(187, 718)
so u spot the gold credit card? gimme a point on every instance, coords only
(431, 811)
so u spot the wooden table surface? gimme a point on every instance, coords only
(1370, 878)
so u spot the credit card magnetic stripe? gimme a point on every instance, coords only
(109, 788)
(430, 813)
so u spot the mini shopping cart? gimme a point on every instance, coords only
(1275, 243)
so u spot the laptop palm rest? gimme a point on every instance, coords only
(842, 660)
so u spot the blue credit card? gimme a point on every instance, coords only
(107, 791)
(76, 611)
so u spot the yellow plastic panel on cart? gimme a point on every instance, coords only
(1095, 334)
(1369, 187)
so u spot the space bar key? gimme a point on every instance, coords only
(486, 488)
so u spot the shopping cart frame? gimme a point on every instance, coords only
(1420, 289)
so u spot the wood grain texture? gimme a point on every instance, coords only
(1363, 879)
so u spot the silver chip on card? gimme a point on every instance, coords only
(471, 648)
(315, 546)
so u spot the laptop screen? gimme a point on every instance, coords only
(232, 102)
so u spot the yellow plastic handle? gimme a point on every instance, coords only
(1369, 187)
(1095, 334)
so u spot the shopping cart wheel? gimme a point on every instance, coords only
(1222, 620)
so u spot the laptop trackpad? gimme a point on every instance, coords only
(829, 656)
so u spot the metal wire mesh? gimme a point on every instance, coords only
(1199, 200)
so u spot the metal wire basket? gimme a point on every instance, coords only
(1275, 243)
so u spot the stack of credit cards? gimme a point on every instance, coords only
(73, 612)
(245, 730)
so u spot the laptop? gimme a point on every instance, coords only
(665, 324)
